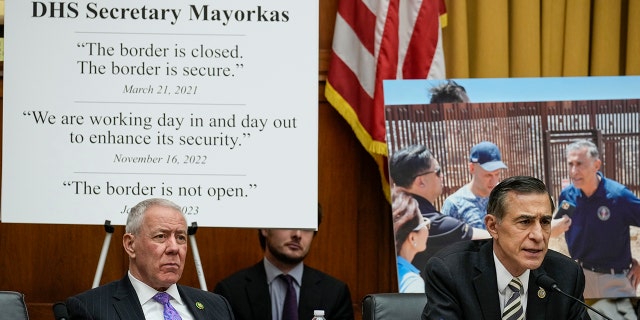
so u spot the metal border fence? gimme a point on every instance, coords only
(532, 136)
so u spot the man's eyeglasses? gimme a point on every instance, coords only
(425, 223)
(438, 173)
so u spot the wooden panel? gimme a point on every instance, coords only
(48, 263)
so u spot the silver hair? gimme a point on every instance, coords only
(592, 149)
(136, 215)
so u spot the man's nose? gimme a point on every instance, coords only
(172, 244)
(536, 232)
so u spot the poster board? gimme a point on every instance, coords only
(209, 104)
(531, 120)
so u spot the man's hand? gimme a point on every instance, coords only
(634, 273)
(559, 226)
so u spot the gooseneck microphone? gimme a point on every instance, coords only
(549, 284)
(60, 311)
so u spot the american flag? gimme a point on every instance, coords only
(377, 40)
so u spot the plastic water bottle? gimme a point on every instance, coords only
(318, 315)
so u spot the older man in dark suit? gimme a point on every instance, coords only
(261, 292)
(156, 242)
(498, 278)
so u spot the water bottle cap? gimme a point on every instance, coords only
(318, 312)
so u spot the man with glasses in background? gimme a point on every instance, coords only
(415, 171)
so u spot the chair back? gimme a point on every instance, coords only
(12, 306)
(393, 306)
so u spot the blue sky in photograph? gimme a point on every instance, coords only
(407, 92)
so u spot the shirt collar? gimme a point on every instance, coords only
(272, 271)
(601, 179)
(504, 277)
(146, 293)
(424, 204)
(600, 190)
(403, 263)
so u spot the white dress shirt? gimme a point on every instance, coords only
(151, 308)
(504, 277)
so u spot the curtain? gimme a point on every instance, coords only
(542, 38)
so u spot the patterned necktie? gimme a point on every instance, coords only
(290, 308)
(169, 313)
(513, 309)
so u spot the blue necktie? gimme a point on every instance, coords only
(170, 312)
(290, 308)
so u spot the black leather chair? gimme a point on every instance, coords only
(12, 306)
(393, 306)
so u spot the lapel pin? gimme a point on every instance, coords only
(541, 293)
(200, 306)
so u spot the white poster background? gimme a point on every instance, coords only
(220, 100)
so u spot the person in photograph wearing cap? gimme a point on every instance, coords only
(601, 210)
(469, 203)
(415, 170)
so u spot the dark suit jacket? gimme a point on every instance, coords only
(118, 300)
(461, 283)
(248, 292)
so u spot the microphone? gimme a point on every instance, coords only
(60, 311)
(549, 284)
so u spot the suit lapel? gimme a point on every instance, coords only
(310, 292)
(486, 284)
(257, 291)
(197, 313)
(126, 300)
(537, 298)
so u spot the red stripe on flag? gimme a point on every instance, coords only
(347, 84)
(361, 20)
(424, 40)
(387, 69)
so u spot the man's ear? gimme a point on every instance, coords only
(597, 164)
(128, 242)
(417, 183)
(492, 225)
(264, 232)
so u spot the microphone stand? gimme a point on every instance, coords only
(555, 287)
